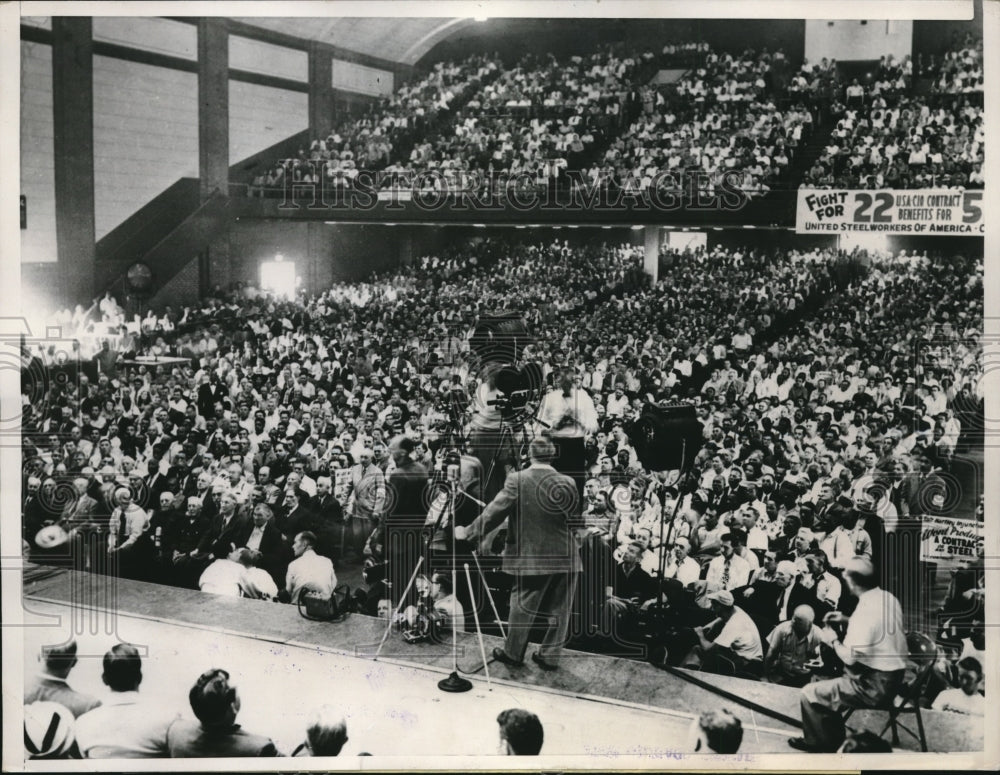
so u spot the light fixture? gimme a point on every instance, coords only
(481, 18)
(278, 257)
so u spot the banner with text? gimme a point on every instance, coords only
(917, 211)
(947, 540)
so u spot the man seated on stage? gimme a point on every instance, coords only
(309, 570)
(728, 571)
(826, 587)
(718, 731)
(631, 586)
(771, 602)
(446, 605)
(873, 652)
(521, 733)
(729, 645)
(966, 698)
(791, 645)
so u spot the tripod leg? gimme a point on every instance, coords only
(479, 631)
(493, 605)
(413, 578)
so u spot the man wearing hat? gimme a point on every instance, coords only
(735, 644)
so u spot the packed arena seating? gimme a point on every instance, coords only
(393, 124)
(541, 117)
(959, 70)
(537, 118)
(466, 123)
(919, 142)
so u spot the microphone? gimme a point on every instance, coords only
(453, 471)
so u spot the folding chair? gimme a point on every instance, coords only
(907, 699)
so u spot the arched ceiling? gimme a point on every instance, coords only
(403, 40)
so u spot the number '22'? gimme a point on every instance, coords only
(884, 203)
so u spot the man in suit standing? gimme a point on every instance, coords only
(540, 505)
(330, 516)
(402, 531)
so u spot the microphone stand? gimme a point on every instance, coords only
(662, 565)
(454, 683)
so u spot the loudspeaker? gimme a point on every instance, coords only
(666, 436)
(499, 338)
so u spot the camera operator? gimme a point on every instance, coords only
(485, 432)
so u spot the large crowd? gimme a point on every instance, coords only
(918, 142)
(535, 120)
(266, 456)
(470, 122)
(255, 446)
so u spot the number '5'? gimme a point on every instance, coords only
(971, 211)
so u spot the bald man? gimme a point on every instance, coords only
(791, 646)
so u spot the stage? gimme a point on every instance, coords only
(285, 665)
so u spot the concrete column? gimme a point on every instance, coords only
(73, 131)
(321, 95)
(405, 242)
(213, 106)
(651, 259)
(320, 277)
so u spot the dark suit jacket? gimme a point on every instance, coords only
(763, 604)
(541, 507)
(406, 510)
(330, 524)
(189, 739)
(292, 523)
(220, 538)
(637, 584)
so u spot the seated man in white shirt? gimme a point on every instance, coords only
(873, 651)
(308, 570)
(792, 644)
(735, 644)
(679, 565)
(126, 726)
(224, 576)
(727, 571)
